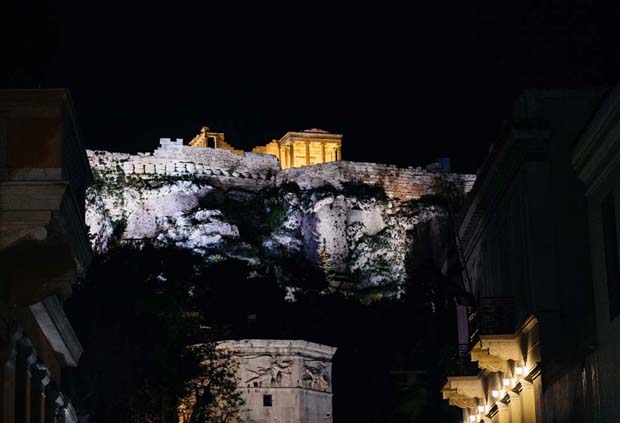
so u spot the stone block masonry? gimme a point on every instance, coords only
(256, 171)
(402, 184)
(283, 380)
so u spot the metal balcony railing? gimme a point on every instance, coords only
(491, 316)
(460, 364)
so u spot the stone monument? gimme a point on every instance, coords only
(283, 381)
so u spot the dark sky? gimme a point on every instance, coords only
(404, 85)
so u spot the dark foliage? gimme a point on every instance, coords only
(135, 316)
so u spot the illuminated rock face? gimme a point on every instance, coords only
(283, 381)
(356, 221)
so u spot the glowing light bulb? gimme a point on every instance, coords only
(472, 418)
(519, 371)
(481, 408)
(506, 382)
(495, 394)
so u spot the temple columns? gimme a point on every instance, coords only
(307, 153)
(291, 150)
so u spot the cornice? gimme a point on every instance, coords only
(595, 134)
(495, 178)
(54, 323)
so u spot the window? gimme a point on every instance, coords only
(610, 239)
(267, 401)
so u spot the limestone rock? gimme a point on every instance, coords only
(355, 221)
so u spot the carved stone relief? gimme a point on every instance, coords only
(316, 376)
(269, 370)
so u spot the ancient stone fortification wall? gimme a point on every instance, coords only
(399, 183)
(253, 170)
(175, 159)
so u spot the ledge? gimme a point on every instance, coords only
(52, 320)
(493, 352)
(468, 386)
(463, 391)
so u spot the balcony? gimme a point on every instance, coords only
(460, 364)
(492, 316)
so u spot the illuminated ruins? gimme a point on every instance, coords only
(294, 149)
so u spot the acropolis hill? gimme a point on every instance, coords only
(355, 220)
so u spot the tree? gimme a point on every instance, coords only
(147, 345)
(212, 396)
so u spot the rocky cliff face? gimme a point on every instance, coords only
(354, 223)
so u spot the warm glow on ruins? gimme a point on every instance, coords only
(294, 149)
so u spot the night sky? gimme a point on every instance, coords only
(404, 85)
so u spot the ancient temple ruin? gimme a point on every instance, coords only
(294, 149)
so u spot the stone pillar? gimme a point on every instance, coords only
(7, 391)
(528, 402)
(503, 413)
(307, 153)
(25, 359)
(51, 405)
(323, 153)
(292, 155)
(515, 408)
(287, 152)
(538, 401)
(40, 380)
(338, 153)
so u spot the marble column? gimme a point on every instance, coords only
(292, 155)
(323, 153)
(307, 153)
(339, 153)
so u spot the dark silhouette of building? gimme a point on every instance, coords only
(527, 319)
(43, 246)
(596, 159)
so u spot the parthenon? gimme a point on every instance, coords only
(294, 149)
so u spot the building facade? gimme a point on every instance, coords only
(43, 246)
(294, 149)
(283, 381)
(526, 317)
(596, 158)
